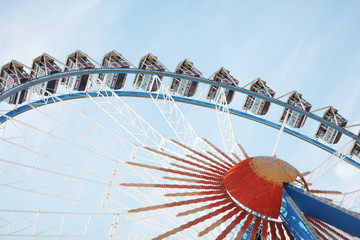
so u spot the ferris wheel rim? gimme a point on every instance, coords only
(242, 90)
(79, 95)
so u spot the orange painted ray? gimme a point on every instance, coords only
(316, 223)
(173, 171)
(321, 235)
(208, 164)
(245, 226)
(237, 157)
(324, 191)
(196, 170)
(192, 180)
(203, 156)
(220, 152)
(220, 160)
(318, 227)
(215, 171)
(255, 228)
(196, 221)
(200, 193)
(180, 203)
(219, 221)
(272, 230)
(232, 225)
(280, 230)
(206, 207)
(150, 185)
(264, 229)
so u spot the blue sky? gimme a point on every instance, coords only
(310, 46)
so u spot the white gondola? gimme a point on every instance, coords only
(185, 87)
(222, 75)
(295, 119)
(42, 66)
(355, 150)
(145, 82)
(256, 105)
(75, 61)
(329, 134)
(114, 80)
(13, 74)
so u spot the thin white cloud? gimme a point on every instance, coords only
(55, 27)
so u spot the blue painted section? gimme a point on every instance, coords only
(26, 85)
(294, 220)
(251, 117)
(325, 211)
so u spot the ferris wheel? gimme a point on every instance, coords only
(111, 150)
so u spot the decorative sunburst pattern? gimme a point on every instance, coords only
(208, 179)
(242, 196)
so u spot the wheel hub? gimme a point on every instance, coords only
(257, 182)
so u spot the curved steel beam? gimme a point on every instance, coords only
(251, 117)
(70, 73)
